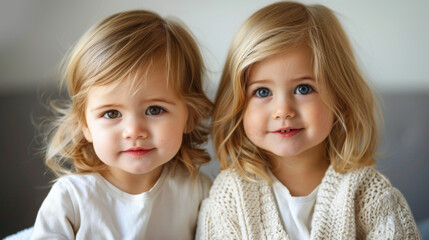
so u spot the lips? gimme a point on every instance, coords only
(287, 132)
(137, 151)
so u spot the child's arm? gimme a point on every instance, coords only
(56, 217)
(218, 217)
(389, 217)
(215, 223)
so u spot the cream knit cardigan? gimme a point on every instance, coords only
(360, 204)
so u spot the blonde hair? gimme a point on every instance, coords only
(273, 30)
(117, 49)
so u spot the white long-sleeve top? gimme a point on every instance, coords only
(360, 204)
(89, 207)
(296, 213)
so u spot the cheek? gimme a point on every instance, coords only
(104, 139)
(324, 117)
(170, 135)
(100, 134)
(246, 122)
(252, 121)
(101, 140)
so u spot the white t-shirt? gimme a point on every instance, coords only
(296, 212)
(89, 207)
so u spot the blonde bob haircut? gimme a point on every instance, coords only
(273, 30)
(119, 48)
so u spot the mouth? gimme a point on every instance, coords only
(288, 132)
(138, 151)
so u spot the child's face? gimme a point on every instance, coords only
(285, 114)
(136, 133)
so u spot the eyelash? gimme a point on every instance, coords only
(258, 94)
(161, 110)
(309, 89)
(106, 114)
(149, 112)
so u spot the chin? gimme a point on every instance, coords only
(146, 170)
(286, 154)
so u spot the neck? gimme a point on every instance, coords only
(300, 174)
(132, 183)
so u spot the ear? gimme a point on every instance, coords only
(87, 133)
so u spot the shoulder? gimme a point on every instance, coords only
(204, 182)
(218, 215)
(230, 176)
(75, 187)
(78, 181)
(228, 181)
(65, 196)
(229, 188)
(375, 195)
(180, 177)
(371, 184)
(75, 180)
(236, 203)
(373, 188)
(181, 173)
(219, 212)
(382, 209)
(224, 187)
(361, 188)
(371, 176)
(362, 180)
(226, 176)
(368, 194)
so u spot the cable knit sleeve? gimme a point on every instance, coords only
(218, 217)
(385, 213)
(215, 223)
(392, 218)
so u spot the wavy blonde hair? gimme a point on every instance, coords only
(118, 49)
(273, 30)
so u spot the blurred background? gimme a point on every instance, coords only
(390, 38)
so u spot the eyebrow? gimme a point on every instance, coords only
(161, 100)
(249, 83)
(310, 78)
(104, 106)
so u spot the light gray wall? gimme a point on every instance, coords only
(390, 37)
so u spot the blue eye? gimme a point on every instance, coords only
(154, 110)
(112, 114)
(303, 89)
(263, 92)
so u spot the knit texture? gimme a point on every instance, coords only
(360, 204)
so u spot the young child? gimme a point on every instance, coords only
(295, 131)
(127, 149)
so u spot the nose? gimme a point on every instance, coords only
(135, 129)
(283, 109)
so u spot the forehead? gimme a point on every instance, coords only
(151, 79)
(296, 62)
